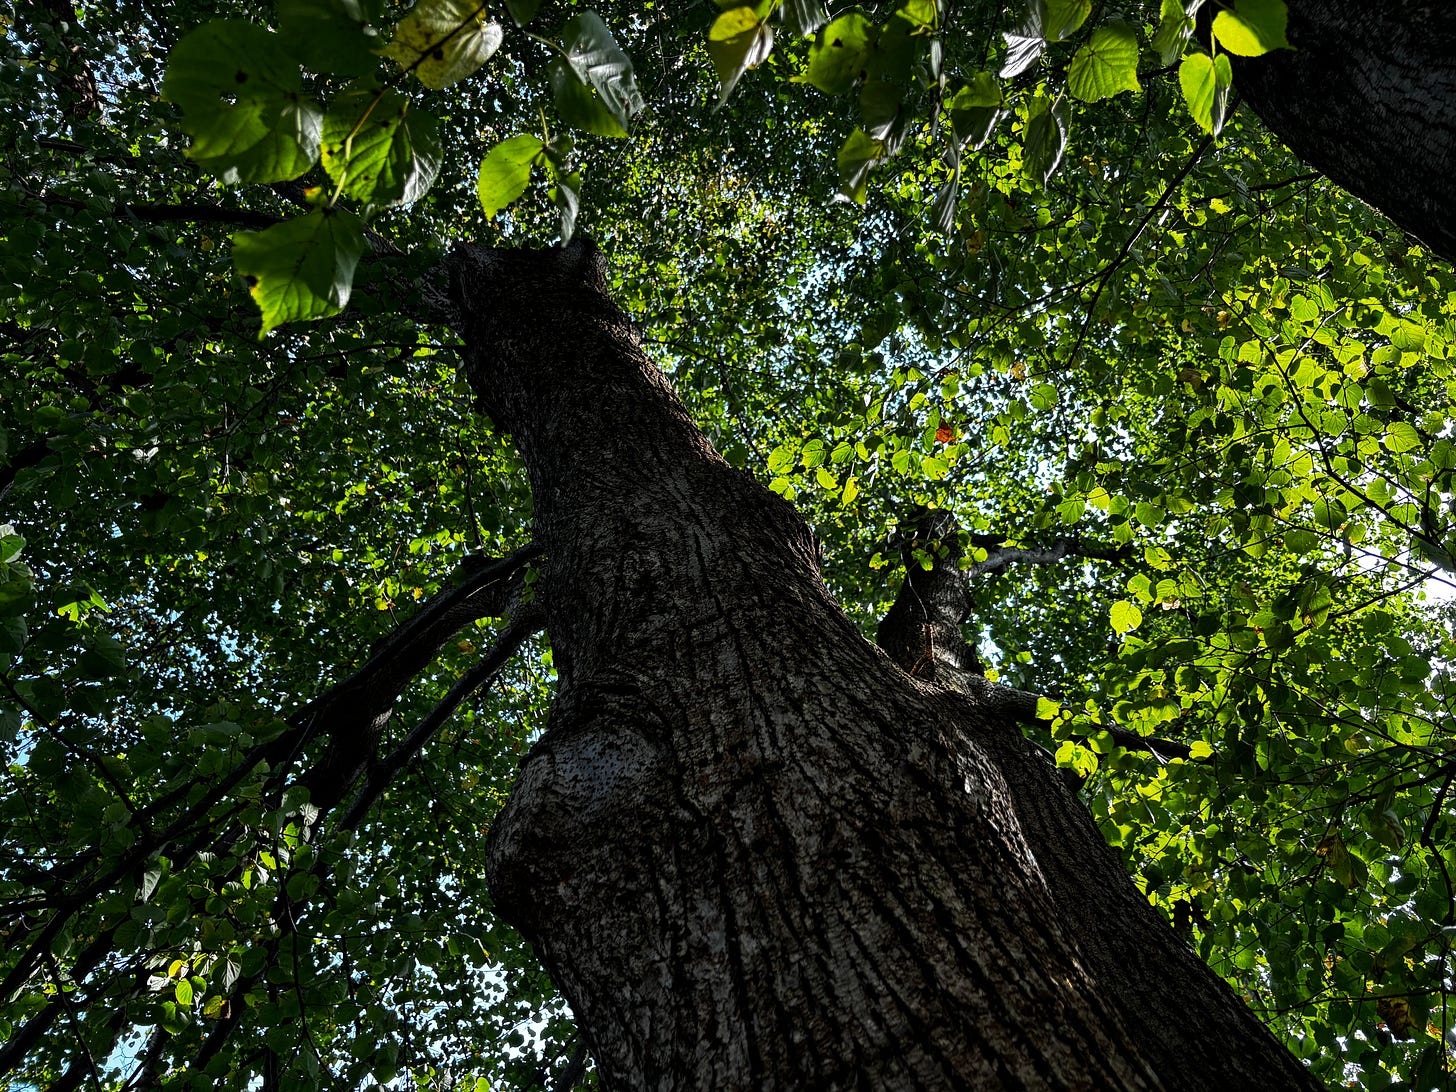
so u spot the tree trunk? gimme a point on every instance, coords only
(752, 852)
(1368, 97)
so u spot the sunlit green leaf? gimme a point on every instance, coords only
(302, 268)
(241, 96)
(505, 172)
(1253, 27)
(1206, 83)
(739, 40)
(1106, 64)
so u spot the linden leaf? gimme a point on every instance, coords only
(302, 268)
(1106, 64)
(444, 41)
(240, 92)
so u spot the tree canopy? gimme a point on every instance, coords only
(1036, 267)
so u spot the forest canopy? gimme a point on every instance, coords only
(1035, 269)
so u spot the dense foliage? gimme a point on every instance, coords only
(1070, 292)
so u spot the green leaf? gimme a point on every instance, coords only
(13, 635)
(857, 155)
(1253, 27)
(1106, 64)
(444, 41)
(879, 107)
(1206, 82)
(922, 15)
(378, 150)
(975, 109)
(104, 658)
(739, 39)
(505, 172)
(597, 58)
(565, 190)
(11, 543)
(1408, 336)
(1063, 17)
(240, 93)
(1046, 137)
(1174, 30)
(578, 105)
(302, 268)
(330, 35)
(183, 991)
(1025, 43)
(839, 54)
(1125, 616)
(942, 212)
(1401, 436)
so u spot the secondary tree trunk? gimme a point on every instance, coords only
(753, 852)
(1368, 97)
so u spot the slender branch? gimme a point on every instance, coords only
(181, 213)
(1126, 249)
(1021, 706)
(574, 1070)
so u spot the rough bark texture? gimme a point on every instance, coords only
(752, 852)
(1366, 97)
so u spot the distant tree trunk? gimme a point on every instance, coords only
(1368, 97)
(752, 851)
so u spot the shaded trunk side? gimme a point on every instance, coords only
(1368, 97)
(750, 850)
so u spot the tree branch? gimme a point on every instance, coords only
(1120, 258)
(526, 621)
(1000, 557)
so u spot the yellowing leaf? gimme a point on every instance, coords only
(444, 41)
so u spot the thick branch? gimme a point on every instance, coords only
(353, 713)
(524, 622)
(1000, 557)
(23, 459)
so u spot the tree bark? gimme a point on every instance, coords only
(752, 852)
(1368, 97)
